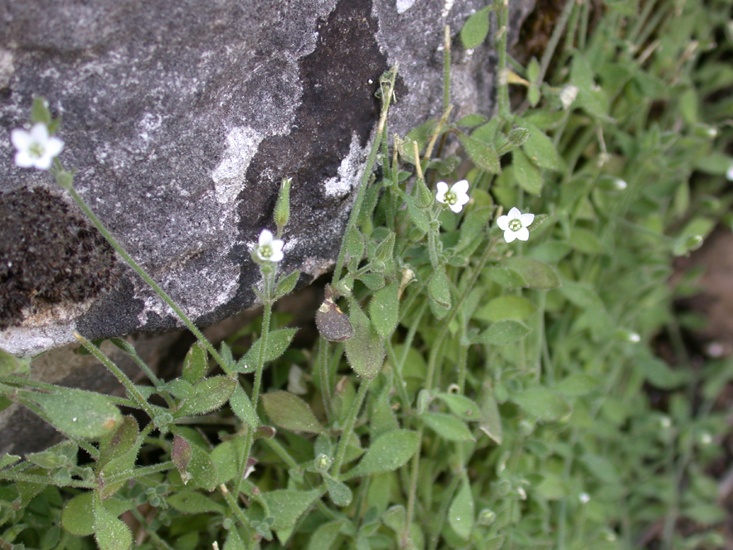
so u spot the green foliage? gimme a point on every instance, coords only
(491, 394)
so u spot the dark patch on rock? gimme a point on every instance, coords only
(113, 313)
(49, 254)
(340, 79)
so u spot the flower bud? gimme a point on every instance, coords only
(282, 207)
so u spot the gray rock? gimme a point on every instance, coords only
(181, 118)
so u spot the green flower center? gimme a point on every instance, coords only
(265, 251)
(515, 224)
(36, 150)
(450, 197)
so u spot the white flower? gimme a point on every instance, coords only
(568, 95)
(269, 249)
(729, 173)
(514, 225)
(455, 197)
(35, 148)
(584, 498)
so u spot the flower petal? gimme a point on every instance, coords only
(503, 222)
(522, 234)
(43, 162)
(39, 133)
(23, 159)
(265, 237)
(277, 255)
(514, 213)
(20, 139)
(509, 235)
(442, 190)
(54, 146)
(456, 207)
(460, 187)
(526, 219)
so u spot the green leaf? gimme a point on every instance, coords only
(542, 403)
(234, 541)
(482, 154)
(586, 241)
(602, 468)
(582, 295)
(471, 121)
(118, 453)
(242, 407)
(527, 175)
(40, 111)
(578, 384)
(490, 417)
(506, 332)
(77, 413)
(365, 350)
(503, 308)
(354, 243)
(325, 536)
(534, 273)
(475, 29)
(8, 459)
(447, 426)
(338, 492)
(474, 223)
(384, 310)
(110, 532)
(77, 517)
(193, 462)
(287, 505)
(439, 289)
(10, 364)
(286, 285)
(387, 453)
(196, 363)
(461, 512)
(193, 502)
(541, 150)
(277, 342)
(290, 412)
(208, 395)
(226, 456)
(461, 406)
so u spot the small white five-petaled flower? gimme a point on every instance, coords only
(269, 249)
(455, 197)
(514, 225)
(35, 148)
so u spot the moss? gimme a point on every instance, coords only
(48, 255)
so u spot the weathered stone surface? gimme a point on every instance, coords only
(181, 118)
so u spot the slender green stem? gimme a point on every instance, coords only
(132, 390)
(325, 375)
(349, 427)
(502, 9)
(432, 367)
(267, 278)
(557, 33)
(140, 472)
(387, 92)
(147, 278)
(281, 451)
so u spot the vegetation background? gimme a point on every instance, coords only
(473, 392)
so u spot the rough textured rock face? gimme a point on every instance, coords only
(181, 118)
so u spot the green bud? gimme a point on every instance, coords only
(282, 207)
(424, 196)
